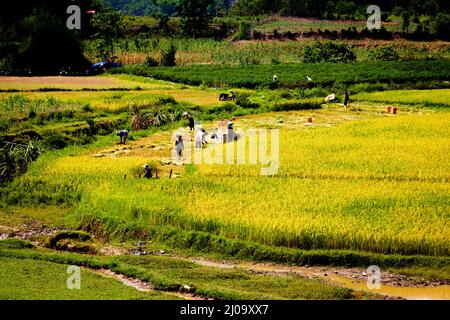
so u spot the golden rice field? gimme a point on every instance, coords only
(408, 97)
(71, 83)
(116, 100)
(108, 99)
(379, 185)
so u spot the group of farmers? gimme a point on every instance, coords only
(200, 136)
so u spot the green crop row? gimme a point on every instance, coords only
(296, 75)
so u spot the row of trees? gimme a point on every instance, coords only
(34, 35)
(196, 14)
(310, 8)
(166, 7)
(330, 9)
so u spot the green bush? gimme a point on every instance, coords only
(226, 108)
(314, 92)
(243, 100)
(243, 32)
(387, 53)
(55, 141)
(290, 105)
(328, 51)
(151, 62)
(87, 108)
(441, 25)
(168, 56)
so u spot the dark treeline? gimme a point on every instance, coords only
(34, 35)
(168, 7)
(305, 8)
(328, 9)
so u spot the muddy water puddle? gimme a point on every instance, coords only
(349, 278)
(441, 292)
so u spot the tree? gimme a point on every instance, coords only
(168, 56)
(244, 31)
(194, 15)
(387, 53)
(108, 24)
(328, 52)
(406, 21)
(163, 22)
(441, 25)
(34, 35)
(8, 49)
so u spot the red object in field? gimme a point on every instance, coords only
(90, 11)
(388, 109)
(310, 119)
(394, 110)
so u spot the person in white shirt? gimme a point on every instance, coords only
(200, 138)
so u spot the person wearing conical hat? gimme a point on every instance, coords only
(148, 171)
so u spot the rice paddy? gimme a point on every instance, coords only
(355, 181)
(409, 97)
(379, 184)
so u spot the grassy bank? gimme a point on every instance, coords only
(162, 273)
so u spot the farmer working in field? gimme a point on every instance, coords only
(179, 145)
(123, 134)
(148, 171)
(200, 139)
(230, 129)
(190, 120)
(346, 98)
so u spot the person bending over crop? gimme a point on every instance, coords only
(123, 134)
(148, 171)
